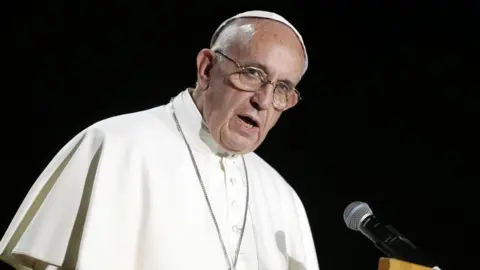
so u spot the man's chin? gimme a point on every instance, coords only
(238, 147)
(237, 143)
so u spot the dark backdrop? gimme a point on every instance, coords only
(386, 116)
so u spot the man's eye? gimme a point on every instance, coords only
(284, 87)
(253, 72)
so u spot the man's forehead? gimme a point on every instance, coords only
(263, 15)
(282, 62)
(271, 34)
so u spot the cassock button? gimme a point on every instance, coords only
(232, 180)
(236, 229)
(234, 204)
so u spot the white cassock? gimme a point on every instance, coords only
(124, 195)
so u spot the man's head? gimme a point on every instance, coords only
(233, 92)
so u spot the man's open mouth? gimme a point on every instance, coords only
(250, 122)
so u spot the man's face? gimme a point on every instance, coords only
(228, 111)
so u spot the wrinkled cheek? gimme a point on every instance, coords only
(229, 130)
(230, 123)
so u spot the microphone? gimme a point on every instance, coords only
(359, 217)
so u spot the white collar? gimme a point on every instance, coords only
(193, 125)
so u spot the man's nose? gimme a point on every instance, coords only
(263, 98)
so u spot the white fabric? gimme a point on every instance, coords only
(123, 194)
(264, 15)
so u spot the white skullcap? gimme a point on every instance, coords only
(264, 15)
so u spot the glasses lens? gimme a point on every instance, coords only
(250, 79)
(280, 98)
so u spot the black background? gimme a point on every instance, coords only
(387, 116)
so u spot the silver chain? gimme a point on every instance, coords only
(231, 265)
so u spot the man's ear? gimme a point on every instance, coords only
(205, 60)
(292, 101)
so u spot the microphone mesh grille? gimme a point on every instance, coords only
(354, 213)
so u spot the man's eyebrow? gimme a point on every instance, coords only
(267, 71)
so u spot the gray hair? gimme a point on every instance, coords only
(238, 33)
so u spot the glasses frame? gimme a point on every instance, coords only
(262, 78)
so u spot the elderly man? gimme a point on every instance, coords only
(178, 186)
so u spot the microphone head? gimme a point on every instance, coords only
(354, 214)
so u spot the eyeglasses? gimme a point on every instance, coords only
(253, 79)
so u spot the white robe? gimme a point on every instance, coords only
(123, 195)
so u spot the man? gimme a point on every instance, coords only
(178, 186)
